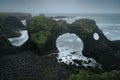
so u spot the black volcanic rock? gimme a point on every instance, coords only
(5, 46)
(29, 66)
(116, 46)
(10, 26)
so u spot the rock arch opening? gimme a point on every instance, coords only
(96, 36)
(70, 48)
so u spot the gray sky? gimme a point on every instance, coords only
(60, 6)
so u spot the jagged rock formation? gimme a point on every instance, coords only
(33, 61)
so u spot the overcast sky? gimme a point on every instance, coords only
(60, 6)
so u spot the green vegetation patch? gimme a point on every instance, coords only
(86, 25)
(41, 29)
(88, 75)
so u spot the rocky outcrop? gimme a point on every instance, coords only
(102, 50)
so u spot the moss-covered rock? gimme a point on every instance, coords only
(63, 27)
(41, 30)
(83, 27)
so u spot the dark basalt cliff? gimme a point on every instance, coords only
(34, 60)
(10, 26)
(20, 16)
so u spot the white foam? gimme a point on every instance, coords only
(18, 41)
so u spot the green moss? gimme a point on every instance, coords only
(83, 28)
(88, 29)
(87, 75)
(41, 29)
(62, 26)
(85, 25)
(40, 37)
